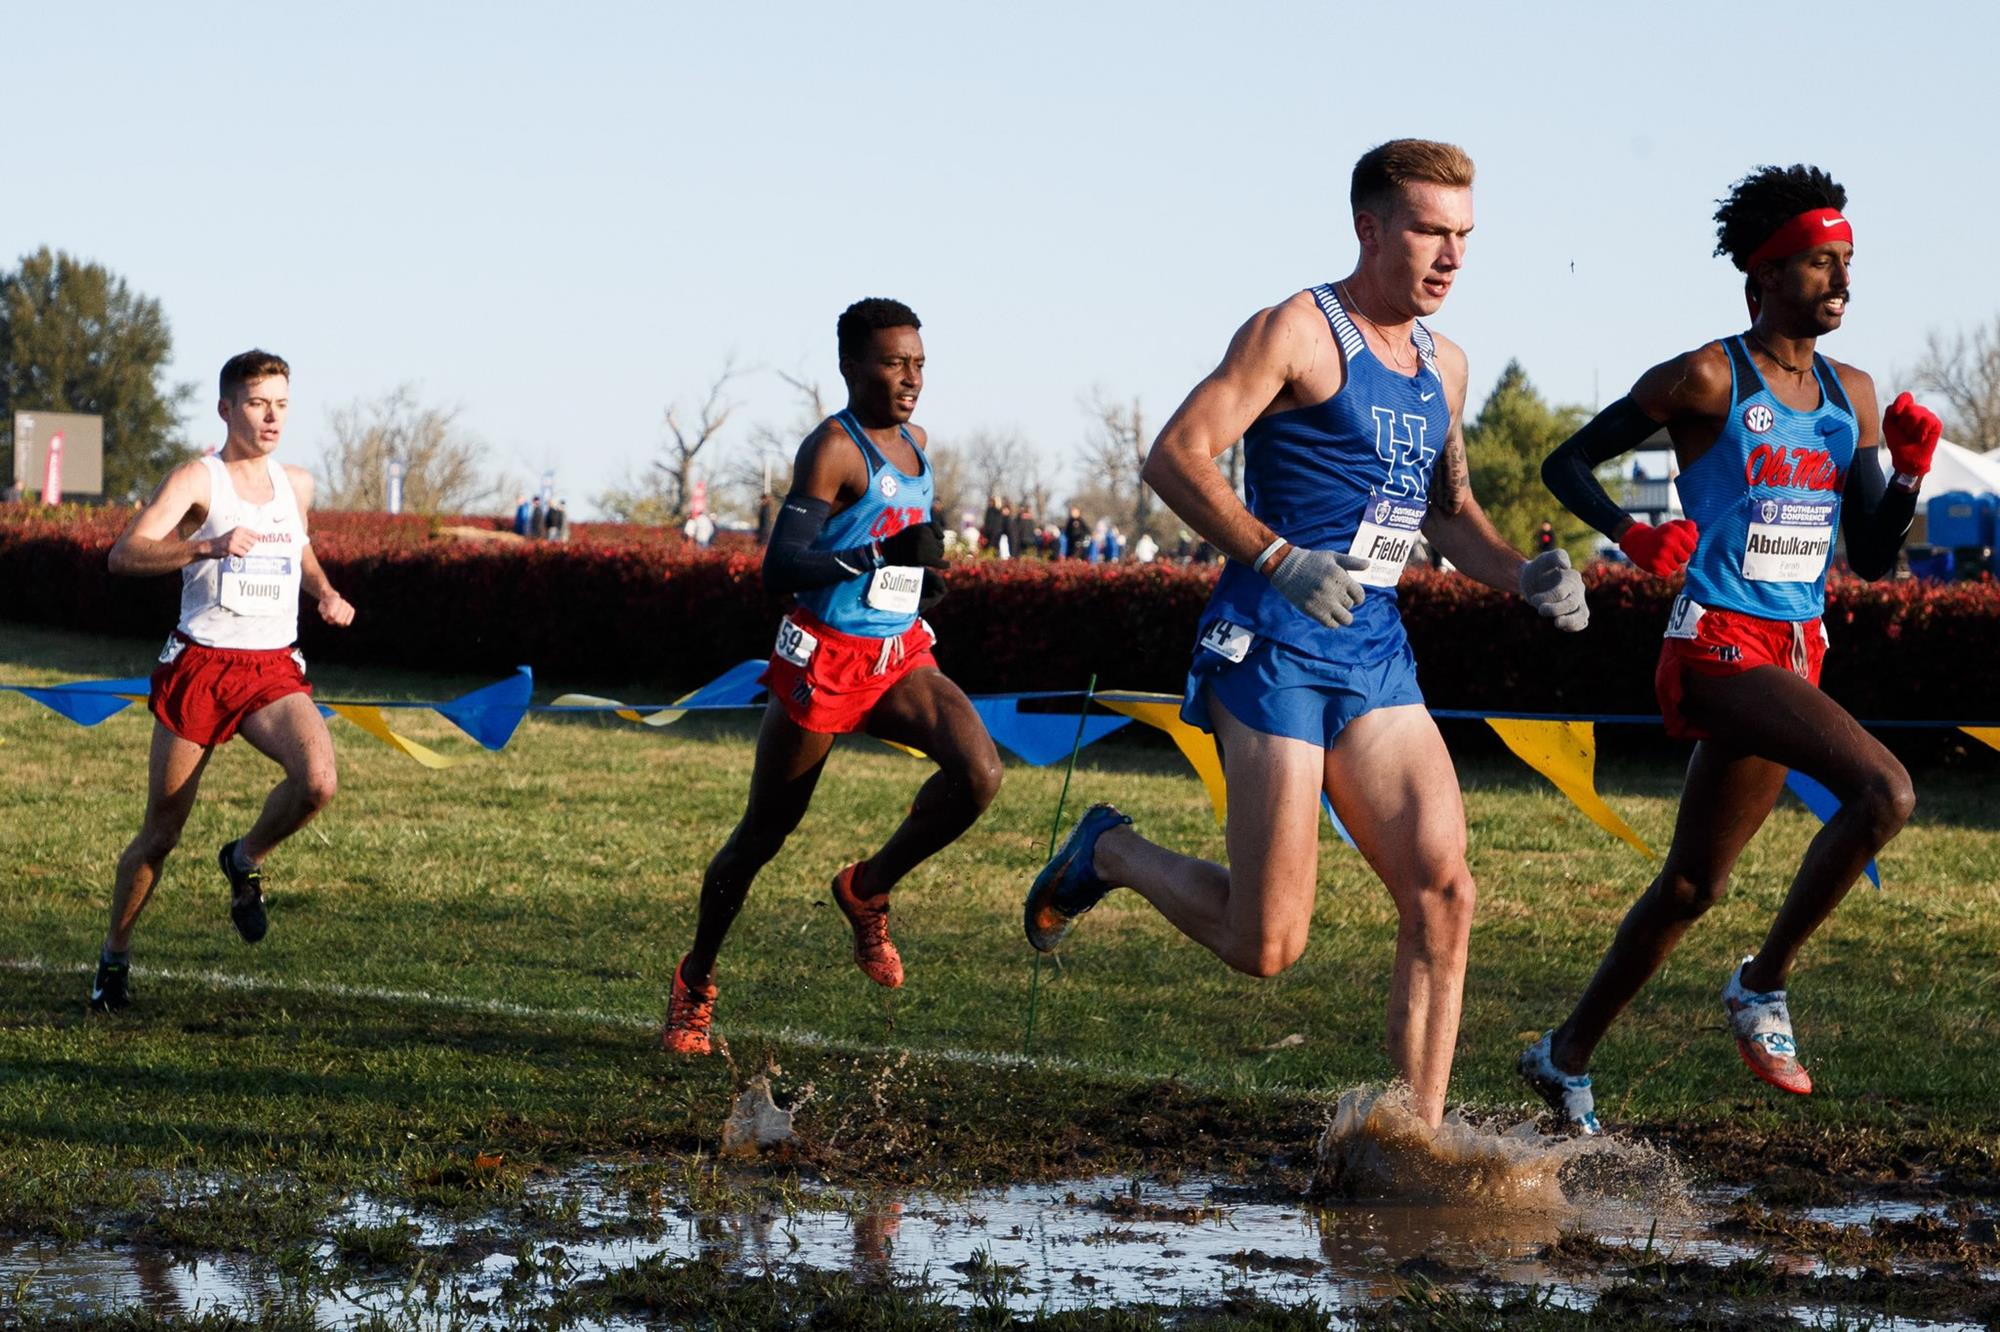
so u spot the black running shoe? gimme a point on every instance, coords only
(113, 988)
(246, 895)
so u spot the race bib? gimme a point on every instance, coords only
(895, 588)
(259, 584)
(1685, 622)
(173, 649)
(1229, 641)
(1789, 540)
(1386, 536)
(795, 644)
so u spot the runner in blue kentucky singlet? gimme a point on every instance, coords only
(1349, 409)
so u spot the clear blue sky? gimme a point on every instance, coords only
(564, 217)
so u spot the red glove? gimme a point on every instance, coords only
(1911, 435)
(1662, 550)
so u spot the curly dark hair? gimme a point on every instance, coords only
(859, 322)
(1765, 200)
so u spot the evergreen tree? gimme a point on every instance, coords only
(75, 338)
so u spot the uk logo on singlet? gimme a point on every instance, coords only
(1407, 452)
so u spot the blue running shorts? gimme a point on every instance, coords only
(1281, 691)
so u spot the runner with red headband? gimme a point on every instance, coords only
(1777, 444)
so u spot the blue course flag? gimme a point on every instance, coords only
(1825, 804)
(735, 688)
(88, 702)
(490, 715)
(1040, 738)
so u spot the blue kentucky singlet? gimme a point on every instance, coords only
(1349, 474)
(1766, 496)
(882, 603)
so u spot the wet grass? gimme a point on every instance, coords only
(466, 968)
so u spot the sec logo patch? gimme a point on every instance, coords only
(1757, 418)
(889, 486)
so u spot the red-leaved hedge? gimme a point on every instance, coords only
(613, 606)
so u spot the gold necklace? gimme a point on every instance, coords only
(1347, 300)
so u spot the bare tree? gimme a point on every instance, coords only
(952, 488)
(767, 463)
(1114, 451)
(1964, 370)
(442, 465)
(662, 493)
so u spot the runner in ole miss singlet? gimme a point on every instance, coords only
(1778, 452)
(234, 526)
(856, 546)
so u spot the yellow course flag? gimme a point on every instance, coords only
(371, 720)
(1987, 735)
(1565, 752)
(664, 717)
(1197, 745)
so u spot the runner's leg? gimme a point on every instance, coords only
(1724, 802)
(173, 775)
(1255, 913)
(1392, 782)
(292, 734)
(927, 712)
(787, 768)
(1776, 714)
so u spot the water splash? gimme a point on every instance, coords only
(1378, 1147)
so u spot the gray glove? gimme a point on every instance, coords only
(1556, 590)
(1317, 582)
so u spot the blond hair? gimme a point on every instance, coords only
(1390, 166)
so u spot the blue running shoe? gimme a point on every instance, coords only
(1068, 886)
(1568, 1094)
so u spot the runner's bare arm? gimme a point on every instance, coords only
(1455, 524)
(156, 540)
(1269, 353)
(333, 608)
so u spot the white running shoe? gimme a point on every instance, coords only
(1568, 1094)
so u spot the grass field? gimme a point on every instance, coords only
(472, 964)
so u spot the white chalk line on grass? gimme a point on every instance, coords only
(225, 980)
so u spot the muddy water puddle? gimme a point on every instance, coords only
(1098, 1242)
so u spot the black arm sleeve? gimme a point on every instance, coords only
(790, 563)
(1874, 516)
(1570, 472)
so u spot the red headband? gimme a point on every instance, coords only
(1802, 233)
(1798, 235)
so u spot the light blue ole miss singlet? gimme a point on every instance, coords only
(1766, 497)
(883, 602)
(1349, 474)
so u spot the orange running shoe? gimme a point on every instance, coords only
(689, 1013)
(873, 953)
(1763, 1028)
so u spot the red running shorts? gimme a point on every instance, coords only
(202, 694)
(828, 681)
(1722, 643)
